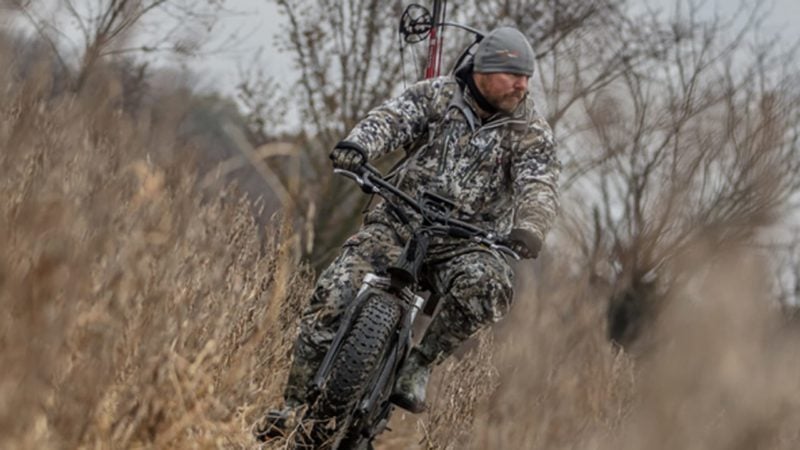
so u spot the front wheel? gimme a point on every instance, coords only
(354, 368)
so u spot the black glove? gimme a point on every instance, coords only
(348, 156)
(525, 243)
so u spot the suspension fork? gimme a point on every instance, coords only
(369, 287)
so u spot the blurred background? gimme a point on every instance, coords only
(167, 200)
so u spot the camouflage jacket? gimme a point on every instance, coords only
(502, 172)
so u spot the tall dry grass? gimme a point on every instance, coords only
(136, 312)
(717, 369)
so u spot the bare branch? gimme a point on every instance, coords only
(40, 28)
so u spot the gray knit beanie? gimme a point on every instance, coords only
(504, 49)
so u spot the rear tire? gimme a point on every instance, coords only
(354, 367)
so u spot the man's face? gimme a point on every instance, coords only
(503, 90)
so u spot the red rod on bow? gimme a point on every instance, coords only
(436, 42)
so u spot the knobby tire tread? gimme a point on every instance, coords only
(358, 358)
(360, 353)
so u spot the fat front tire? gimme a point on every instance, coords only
(354, 367)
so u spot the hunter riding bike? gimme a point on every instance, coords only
(350, 400)
(479, 164)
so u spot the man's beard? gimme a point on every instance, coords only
(507, 103)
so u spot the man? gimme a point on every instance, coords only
(475, 138)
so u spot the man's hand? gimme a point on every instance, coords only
(347, 156)
(525, 243)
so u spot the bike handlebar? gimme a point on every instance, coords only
(371, 181)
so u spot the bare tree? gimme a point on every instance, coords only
(699, 142)
(109, 28)
(262, 100)
(347, 59)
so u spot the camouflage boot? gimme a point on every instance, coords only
(412, 383)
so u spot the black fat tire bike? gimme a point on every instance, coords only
(350, 397)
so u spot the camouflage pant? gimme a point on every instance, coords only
(476, 287)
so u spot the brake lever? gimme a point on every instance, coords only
(362, 179)
(352, 175)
